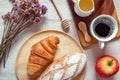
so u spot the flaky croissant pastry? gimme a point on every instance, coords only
(42, 54)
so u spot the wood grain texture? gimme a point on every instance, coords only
(66, 46)
(101, 7)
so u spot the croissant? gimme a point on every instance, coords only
(42, 54)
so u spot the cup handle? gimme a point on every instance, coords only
(75, 1)
(101, 44)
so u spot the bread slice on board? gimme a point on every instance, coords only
(65, 68)
(67, 45)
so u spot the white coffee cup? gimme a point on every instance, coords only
(99, 32)
(81, 12)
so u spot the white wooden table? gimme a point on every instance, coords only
(52, 21)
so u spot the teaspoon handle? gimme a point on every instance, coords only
(87, 37)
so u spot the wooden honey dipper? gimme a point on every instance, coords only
(65, 22)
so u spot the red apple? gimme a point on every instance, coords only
(107, 66)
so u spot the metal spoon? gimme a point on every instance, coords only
(83, 27)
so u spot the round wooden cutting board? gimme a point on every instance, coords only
(67, 45)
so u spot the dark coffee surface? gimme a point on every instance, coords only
(102, 29)
(101, 7)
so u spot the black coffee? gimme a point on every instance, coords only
(102, 29)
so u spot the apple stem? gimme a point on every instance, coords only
(111, 62)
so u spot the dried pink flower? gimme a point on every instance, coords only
(22, 15)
